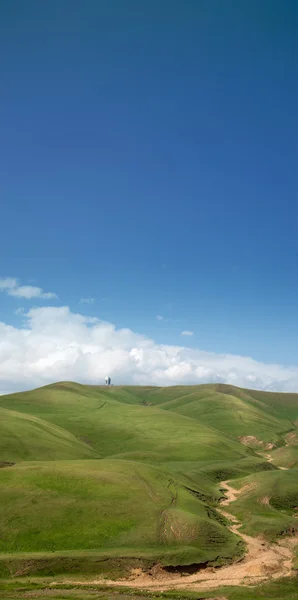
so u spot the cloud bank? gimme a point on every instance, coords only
(12, 288)
(56, 344)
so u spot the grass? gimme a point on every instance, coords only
(287, 456)
(107, 478)
(232, 410)
(275, 590)
(113, 428)
(106, 505)
(236, 416)
(267, 504)
(27, 437)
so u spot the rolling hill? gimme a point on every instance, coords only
(134, 473)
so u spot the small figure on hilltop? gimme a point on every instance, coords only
(108, 380)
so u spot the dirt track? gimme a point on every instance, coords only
(262, 561)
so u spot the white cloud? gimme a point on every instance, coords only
(12, 288)
(56, 344)
(159, 317)
(187, 332)
(7, 283)
(87, 300)
(30, 291)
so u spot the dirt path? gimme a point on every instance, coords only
(230, 494)
(262, 561)
(270, 459)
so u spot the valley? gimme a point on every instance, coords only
(186, 488)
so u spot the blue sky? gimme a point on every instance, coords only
(148, 154)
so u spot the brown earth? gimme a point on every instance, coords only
(252, 440)
(291, 438)
(265, 500)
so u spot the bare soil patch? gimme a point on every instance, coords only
(252, 440)
(265, 500)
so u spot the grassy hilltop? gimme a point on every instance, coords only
(133, 473)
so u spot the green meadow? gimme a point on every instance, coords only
(97, 480)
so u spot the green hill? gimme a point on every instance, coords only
(115, 428)
(268, 503)
(135, 471)
(106, 505)
(232, 410)
(26, 437)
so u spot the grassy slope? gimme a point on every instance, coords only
(286, 457)
(114, 428)
(232, 410)
(235, 416)
(106, 505)
(285, 589)
(268, 503)
(283, 405)
(135, 436)
(153, 444)
(26, 437)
